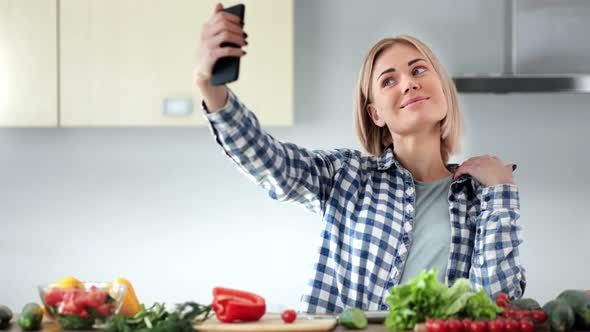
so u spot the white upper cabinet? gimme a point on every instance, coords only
(120, 60)
(28, 63)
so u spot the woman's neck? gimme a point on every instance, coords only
(420, 155)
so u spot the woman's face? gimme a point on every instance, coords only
(407, 94)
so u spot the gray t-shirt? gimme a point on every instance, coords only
(431, 235)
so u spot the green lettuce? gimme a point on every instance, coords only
(424, 297)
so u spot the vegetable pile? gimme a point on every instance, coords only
(424, 297)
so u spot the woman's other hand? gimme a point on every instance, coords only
(488, 170)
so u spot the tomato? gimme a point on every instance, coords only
(511, 325)
(502, 300)
(104, 309)
(69, 307)
(539, 316)
(82, 301)
(53, 296)
(71, 295)
(428, 325)
(96, 298)
(466, 323)
(84, 314)
(508, 313)
(526, 326)
(439, 326)
(502, 303)
(496, 326)
(503, 296)
(288, 316)
(454, 325)
(522, 314)
(478, 326)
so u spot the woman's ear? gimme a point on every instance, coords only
(375, 116)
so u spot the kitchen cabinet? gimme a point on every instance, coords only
(28, 63)
(121, 60)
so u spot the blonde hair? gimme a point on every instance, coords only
(375, 139)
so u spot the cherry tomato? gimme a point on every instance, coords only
(428, 325)
(508, 313)
(496, 326)
(502, 300)
(440, 326)
(289, 316)
(455, 325)
(466, 323)
(522, 314)
(502, 303)
(539, 316)
(478, 326)
(503, 296)
(511, 325)
(526, 326)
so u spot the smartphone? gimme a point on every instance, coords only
(227, 69)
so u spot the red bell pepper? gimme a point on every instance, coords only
(235, 305)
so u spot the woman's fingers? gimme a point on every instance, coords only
(225, 37)
(227, 51)
(463, 169)
(210, 30)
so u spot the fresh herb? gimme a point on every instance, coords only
(157, 319)
(74, 322)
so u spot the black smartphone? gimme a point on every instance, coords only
(227, 69)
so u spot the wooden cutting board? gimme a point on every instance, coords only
(269, 322)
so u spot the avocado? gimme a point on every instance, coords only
(5, 317)
(31, 317)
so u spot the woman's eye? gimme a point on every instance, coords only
(418, 70)
(388, 81)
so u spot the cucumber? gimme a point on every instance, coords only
(353, 319)
(5, 317)
(580, 303)
(560, 315)
(527, 304)
(30, 317)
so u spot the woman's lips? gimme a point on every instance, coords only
(416, 102)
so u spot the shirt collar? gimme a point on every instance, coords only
(387, 160)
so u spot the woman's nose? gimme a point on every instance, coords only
(410, 84)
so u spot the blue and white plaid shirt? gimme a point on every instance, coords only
(367, 208)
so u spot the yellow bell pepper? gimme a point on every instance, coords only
(67, 282)
(130, 305)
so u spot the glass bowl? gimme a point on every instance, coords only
(87, 305)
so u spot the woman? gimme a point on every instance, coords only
(399, 210)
